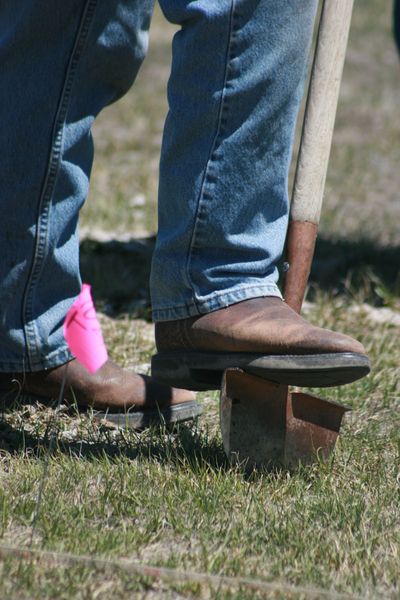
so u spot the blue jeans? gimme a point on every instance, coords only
(236, 82)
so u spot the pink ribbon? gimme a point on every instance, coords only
(83, 333)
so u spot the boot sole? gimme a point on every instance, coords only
(202, 371)
(177, 413)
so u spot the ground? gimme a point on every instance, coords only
(172, 499)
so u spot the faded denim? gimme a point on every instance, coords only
(236, 82)
(234, 91)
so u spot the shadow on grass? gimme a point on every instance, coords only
(184, 445)
(359, 265)
(119, 274)
(119, 271)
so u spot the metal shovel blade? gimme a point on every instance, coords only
(265, 425)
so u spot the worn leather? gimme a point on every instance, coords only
(111, 388)
(263, 325)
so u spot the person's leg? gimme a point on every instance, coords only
(61, 63)
(234, 93)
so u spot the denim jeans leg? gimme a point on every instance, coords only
(234, 92)
(61, 63)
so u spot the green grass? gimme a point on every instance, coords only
(171, 498)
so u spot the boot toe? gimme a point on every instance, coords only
(337, 342)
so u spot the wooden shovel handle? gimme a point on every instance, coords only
(300, 245)
(315, 145)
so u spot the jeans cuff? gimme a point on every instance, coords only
(55, 359)
(215, 302)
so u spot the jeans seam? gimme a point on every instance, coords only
(206, 177)
(32, 337)
(245, 290)
(52, 360)
(221, 294)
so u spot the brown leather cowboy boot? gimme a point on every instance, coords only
(126, 397)
(263, 336)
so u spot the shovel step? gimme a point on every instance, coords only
(265, 425)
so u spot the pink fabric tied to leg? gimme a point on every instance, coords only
(83, 333)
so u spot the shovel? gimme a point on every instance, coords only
(263, 423)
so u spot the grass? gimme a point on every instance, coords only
(171, 498)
